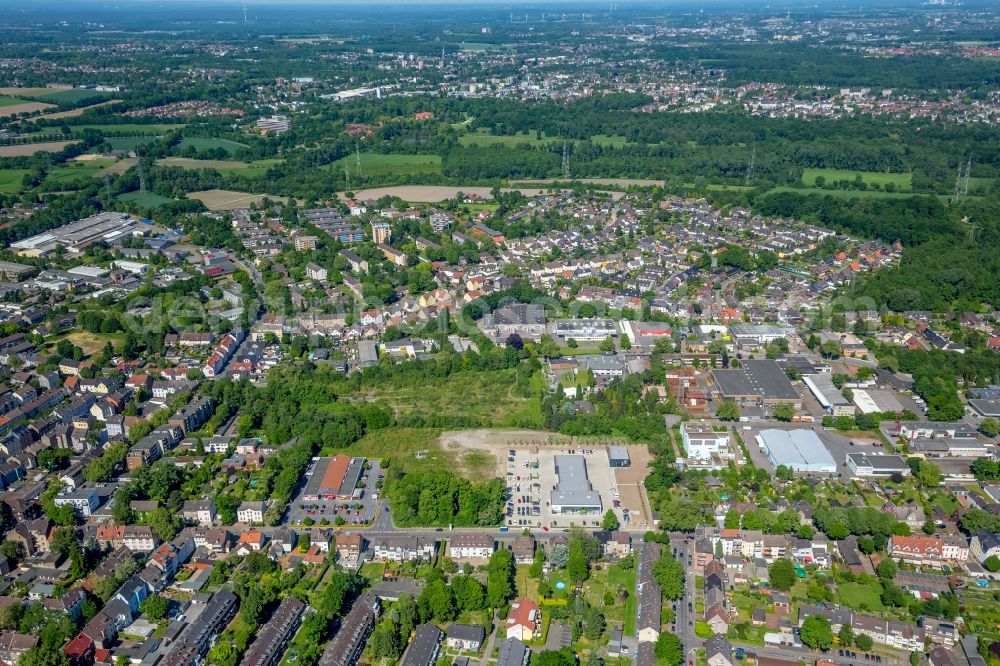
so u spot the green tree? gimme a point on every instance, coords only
(728, 411)
(887, 569)
(784, 412)
(864, 642)
(669, 573)
(500, 578)
(44, 656)
(992, 563)
(610, 522)
(155, 607)
(990, 427)
(668, 650)
(577, 565)
(165, 523)
(816, 632)
(782, 574)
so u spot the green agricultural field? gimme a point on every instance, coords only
(131, 142)
(145, 199)
(208, 144)
(225, 167)
(901, 181)
(378, 164)
(614, 141)
(64, 174)
(72, 96)
(849, 194)
(983, 185)
(11, 101)
(129, 128)
(484, 139)
(10, 180)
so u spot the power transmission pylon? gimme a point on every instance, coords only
(565, 162)
(347, 177)
(752, 165)
(357, 158)
(962, 181)
(142, 175)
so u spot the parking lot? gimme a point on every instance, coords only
(838, 444)
(353, 511)
(530, 476)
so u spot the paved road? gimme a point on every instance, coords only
(488, 652)
(686, 619)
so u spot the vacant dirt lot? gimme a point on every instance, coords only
(73, 113)
(228, 200)
(30, 92)
(118, 168)
(27, 107)
(32, 148)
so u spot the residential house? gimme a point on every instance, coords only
(524, 620)
(465, 637)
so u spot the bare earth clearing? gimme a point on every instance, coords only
(228, 200)
(27, 107)
(73, 113)
(32, 148)
(478, 452)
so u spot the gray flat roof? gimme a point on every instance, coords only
(878, 461)
(573, 488)
(762, 377)
(618, 453)
(798, 449)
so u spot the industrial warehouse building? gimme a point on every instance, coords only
(829, 396)
(584, 329)
(757, 382)
(801, 450)
(334, 478)
(867, 465)
(75, 237)
(573, 493)
(871, 401)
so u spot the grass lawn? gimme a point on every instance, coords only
(11, 101)
(394, 442)
(225, 167)
(482, 138)
(901, 181)
(378, 164)
(489, 398)
(146, 199)
(72, 96)
(63, 174)
(131, 142)
(148, 129)
(207, 144)
(613, 579)
(93, 343)
(852, 194)
(10, 180)
(855, 594)
(946, 501)
(614, 141)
